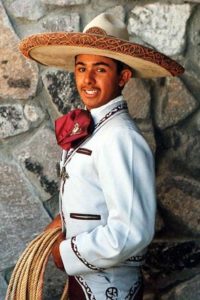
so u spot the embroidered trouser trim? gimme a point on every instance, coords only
(80, 290)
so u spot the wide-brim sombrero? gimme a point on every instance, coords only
(106, 36)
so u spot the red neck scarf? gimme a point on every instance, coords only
(72, 128)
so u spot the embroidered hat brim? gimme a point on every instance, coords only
(59, 49)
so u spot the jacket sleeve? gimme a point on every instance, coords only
(125, 167)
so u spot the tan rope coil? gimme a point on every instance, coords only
(27, 279)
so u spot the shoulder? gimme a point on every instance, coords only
(121, 131)
(120, 127)
(120, 123)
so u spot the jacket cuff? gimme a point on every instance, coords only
(74, 263)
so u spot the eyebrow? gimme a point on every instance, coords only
(96, 64)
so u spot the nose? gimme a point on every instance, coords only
(89, 77)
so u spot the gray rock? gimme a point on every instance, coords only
(174, 139)
(39, 157)
(196, 121)
(182, 150)
(55, 21)
(178, 198)
(54, 282)
(28, 28)
(62, 91)
(68, 22)
(137, 95)
(159, 224)
(64, 2)
(16, 119)
(3, 287)
(52, 205)
(188, 150)
(192, 81)
(161, 26)
(190, 155)
(138, 98)
(169, 262)
(12, 120)
(147, 131)
(18, 76)
(194, 40)
(20, 212)
(30, 10)
(194, 1)
(173, 103)
(187, 290)
(33, 113)
(48, 105)
(117, 11)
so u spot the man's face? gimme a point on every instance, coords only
(97, 79)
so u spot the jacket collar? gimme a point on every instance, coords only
(99, 112)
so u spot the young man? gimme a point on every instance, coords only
(108, 188)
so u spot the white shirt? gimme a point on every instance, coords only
(108, 201)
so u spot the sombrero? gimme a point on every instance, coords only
(105, 35)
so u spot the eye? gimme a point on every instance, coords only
(81, 69)
(101, 70)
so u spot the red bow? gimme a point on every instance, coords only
(73, 127)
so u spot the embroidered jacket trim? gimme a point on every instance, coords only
(83, 260)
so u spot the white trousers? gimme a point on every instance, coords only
(118, 283)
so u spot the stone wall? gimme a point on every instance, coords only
(166, 110)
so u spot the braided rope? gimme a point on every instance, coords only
(27, 280)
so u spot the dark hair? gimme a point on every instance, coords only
(121, 66)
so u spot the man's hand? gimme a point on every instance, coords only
(56, 252)
(56, 223)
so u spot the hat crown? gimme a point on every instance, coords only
(110, 25)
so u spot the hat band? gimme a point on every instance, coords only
(96, 30)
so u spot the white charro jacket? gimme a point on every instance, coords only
(108, 199)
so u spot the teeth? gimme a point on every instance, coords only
(91, 92)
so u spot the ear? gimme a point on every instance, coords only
(125, 75)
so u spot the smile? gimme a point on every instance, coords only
(91, 92)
